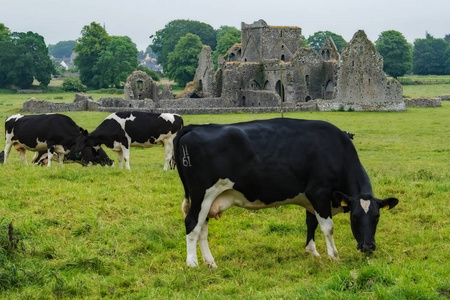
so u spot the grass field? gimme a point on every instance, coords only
(91, 233)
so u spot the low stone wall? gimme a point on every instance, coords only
(42, 106)
(423, 102)
(330, 105)
(217, 105)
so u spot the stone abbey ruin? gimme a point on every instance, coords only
(268, 71)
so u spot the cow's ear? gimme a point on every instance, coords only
(341, 198)
(84, 131)
(388, 203)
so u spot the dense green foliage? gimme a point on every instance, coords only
(73, 84)
(396, 52)
(115, 63)
(104, 61)
(62, 49)
(431, 56)
(319, 38)
(92, 42)
(165, 40)
(149, 72)
(5, 33)
(226, 37)
(23, 58)
(90, 233)
(183, 60)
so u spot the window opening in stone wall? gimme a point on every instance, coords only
(139, 84)
(279, 88)
(308, 98)
(282, 57)
(307, 80)
(361, 50)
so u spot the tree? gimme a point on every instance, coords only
(183, 60)
(62, 49)
(89, 47)
(24, 58)
(226, 38)
(396, 52)
(164, 41)
(430, 56)
(319, 38)
(447, 38)
(5, 34)
(115, 63)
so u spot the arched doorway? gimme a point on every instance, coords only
(279, 88)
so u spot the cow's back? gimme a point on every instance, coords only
(51, 128)
(269, 159)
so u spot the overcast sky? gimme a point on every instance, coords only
(63, 20)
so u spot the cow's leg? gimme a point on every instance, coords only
(168, 152)
(196, 218)
(311, 225)
(22, 152)
(8, 145)
(120, 158)
(192, 236)
(126, 155)
(204, 247)
(327, 226)
(50, 152)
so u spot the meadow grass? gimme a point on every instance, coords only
(75, 232)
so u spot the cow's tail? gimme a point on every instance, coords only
(178, 156)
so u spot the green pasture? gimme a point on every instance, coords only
(70, 232)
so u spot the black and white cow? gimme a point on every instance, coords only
(263, 164)
(55, 133)
(86, 157)
(122, 130)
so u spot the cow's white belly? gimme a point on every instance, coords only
(234, 198)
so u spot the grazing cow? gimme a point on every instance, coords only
(122, 130)
(88, 157)
(263, 164)
(55, 133)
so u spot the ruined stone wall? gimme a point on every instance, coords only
(205, 72)
(362, 78)
(237, 77)
(260, 41)
(423, 102)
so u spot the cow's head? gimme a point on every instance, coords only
(364, 216)
(85, 153)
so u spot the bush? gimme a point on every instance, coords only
(73, 84)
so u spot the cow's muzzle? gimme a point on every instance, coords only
(366, 247)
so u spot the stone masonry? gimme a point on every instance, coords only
(268, 71)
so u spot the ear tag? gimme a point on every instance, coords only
(343, 203)
(386, 207)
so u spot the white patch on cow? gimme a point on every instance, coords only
(168, 117)
(192, 238)
(311, 248)
(120, 120)
(327, 227)
(365, 204)
(40, 146)
(232, 197)
(16, 117)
